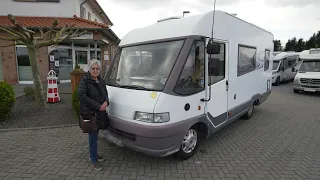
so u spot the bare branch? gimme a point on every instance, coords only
(12, 32)
(10, 38)
(15, 44)
(41, 32)
(28, 33)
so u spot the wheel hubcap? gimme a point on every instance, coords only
(189, 141)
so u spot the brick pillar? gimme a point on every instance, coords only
(9, 63)
(105, 51)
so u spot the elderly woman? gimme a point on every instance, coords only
(94, 99)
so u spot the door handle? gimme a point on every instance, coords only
(227, 85)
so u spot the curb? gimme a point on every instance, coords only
(38, 128)
(18, 96)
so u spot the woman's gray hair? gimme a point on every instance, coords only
(93, 62)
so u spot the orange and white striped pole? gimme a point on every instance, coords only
(52, 90)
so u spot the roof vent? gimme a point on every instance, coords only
(169, 18)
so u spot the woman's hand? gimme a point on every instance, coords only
(104, 106)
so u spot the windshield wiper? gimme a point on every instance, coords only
(133, 87)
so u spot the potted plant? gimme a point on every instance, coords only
(76, 76)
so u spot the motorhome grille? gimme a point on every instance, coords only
(129, 136)
(306, 86)
(310, 81)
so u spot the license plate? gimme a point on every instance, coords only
(309, 90)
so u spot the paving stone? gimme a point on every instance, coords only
(281, 141)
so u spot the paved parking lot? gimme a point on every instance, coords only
(281, 141)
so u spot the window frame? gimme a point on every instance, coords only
(83, 12)
(265, 58)
(89, 16)
(255, 59)
(184, 64)
(225, 63)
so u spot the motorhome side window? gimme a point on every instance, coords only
(267, 60)
(191, 78)
(246, 59)
(213, 77)
(291, 61)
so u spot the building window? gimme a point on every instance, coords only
(246, 59)
(89, 16)
(82, 57)
(267, 59)
(191, 79)
(24, 68)
(82, 12)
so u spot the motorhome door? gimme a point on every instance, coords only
(217, 85)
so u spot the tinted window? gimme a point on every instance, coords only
(246, 59)
(191, 79)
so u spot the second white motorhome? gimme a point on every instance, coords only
(282, 67)
(196, 81)
(308, 76)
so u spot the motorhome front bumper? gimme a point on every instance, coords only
(306, 84)
(307, 88)
(157, 141)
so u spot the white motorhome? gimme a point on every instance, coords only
(308, 76)
(282, 67)
(193, 88)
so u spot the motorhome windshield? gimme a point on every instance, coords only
(275, 65)
(310, 66)
(144, 67)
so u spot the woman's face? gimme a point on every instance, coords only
(95, 70)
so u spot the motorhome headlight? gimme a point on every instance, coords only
(152, 117)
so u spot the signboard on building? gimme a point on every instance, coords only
(84, 36)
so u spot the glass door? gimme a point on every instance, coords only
(62, 64)
(65, 64)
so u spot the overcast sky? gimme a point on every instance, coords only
(284, 18)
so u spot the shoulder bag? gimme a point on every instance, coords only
(89, 125)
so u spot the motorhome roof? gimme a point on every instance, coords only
(186, 26)
(312, 54)
(283, 55)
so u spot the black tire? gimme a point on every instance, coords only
(249, 113)
(277, 81)
(295, 91)
(182, 154)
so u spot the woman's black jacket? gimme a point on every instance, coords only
(92, 95)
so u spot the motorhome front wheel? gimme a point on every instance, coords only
(249, 113)
(189, 144)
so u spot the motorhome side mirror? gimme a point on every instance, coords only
(214, 66)
(213, 48)
(293, 69)
(281, 68)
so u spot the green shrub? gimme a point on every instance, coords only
(29, 92)
(7, 100)
(76, 101)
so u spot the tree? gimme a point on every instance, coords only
(291, 44)
(23, 36)
(300, 45)
(277, 45)
(311, 43)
